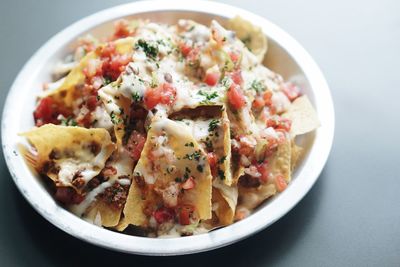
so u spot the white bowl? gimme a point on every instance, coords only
(285, 56)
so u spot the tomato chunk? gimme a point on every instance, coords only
(163, 215)
(185, 48)
(234, 55)
(185, 212)
(189, 183)
(280, 183)
(236, 77)
(121, 29)
(279, 123)
(236, 97)
(135, 144)
(262, 168)
(267, 96)
(47, 112)
(164, 94)
(212, 78)
(212, 160)
(291, 90)
(258, 103)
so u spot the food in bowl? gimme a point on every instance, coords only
(172, 130)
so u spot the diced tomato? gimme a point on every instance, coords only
(163, 215)
(234, 55)
(246, 148)
(258, 103)
(113, 67)
(284, 124)
(68, 195)
(262, 168)
(121, 29)
(212, 160)
(267, 96)
(185, 212)
(135, 144)
(279, 123)
(236, 77)
(291, 90)
(164, 94)
(185, 48)
(189, 183)
(47, 112)
(193, 56)
(212, 78)
(168, 94)
(112, 62)
(151, 98)
(44, 111)
(92, 102)
(280, 183)
(236, 97)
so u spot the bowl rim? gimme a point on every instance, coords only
(267, 215)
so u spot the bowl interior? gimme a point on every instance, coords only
(17, 118)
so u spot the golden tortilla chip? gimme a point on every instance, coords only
(66, 93)
(107, 216)
(279, 164)
(178, 155)
(226, 197)
(297, 151)
(251, 35)
(303, 116)
(67, 153)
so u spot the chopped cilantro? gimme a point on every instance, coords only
(257, 86)
(114, 119)
(226, 82)
(213, 125)
(208, 143)
(208, 96)
(136, 97)
(69, 122)
(107, 80)
(221, 160)
(195, 155)
(189, 144)
(150, 50)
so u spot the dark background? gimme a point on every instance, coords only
(351, 217)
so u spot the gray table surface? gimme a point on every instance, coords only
(351, 217)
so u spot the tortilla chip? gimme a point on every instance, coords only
(226, 197)
(280, 162)
(187, 155)
(223, 211)
(123, 164)
(303, 116)
(108, 216)
(250, 198)
(64, 152)
(297, 151)
(251, 35)
(66, 93)
(117, 106)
